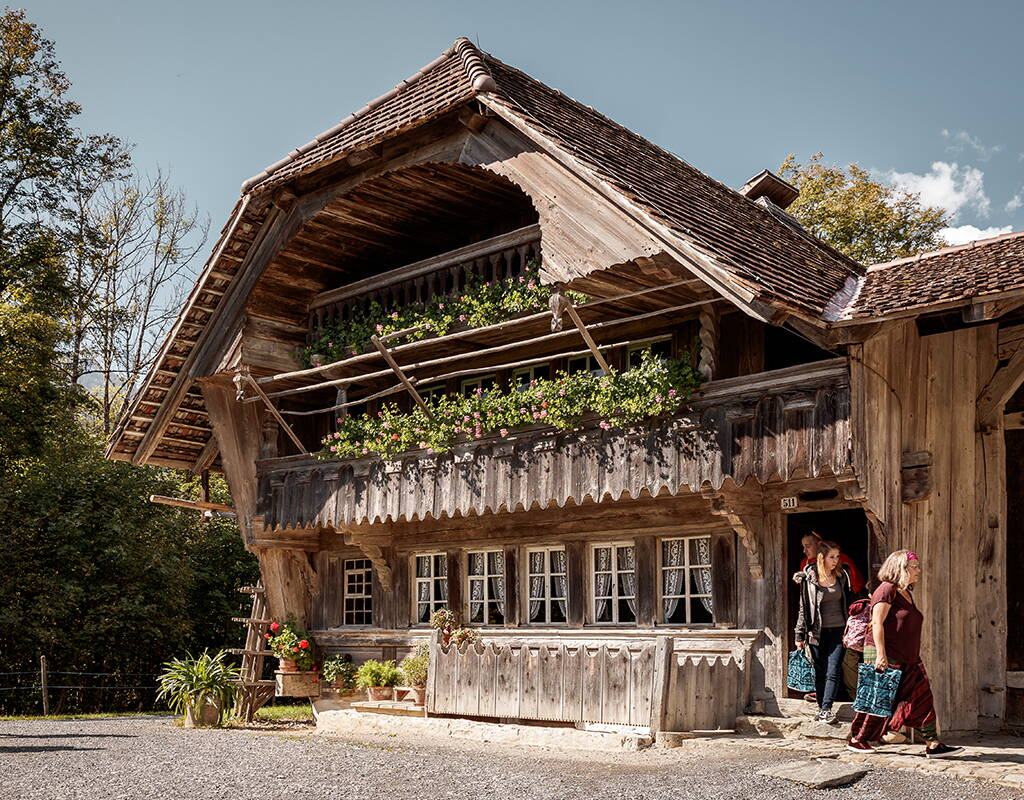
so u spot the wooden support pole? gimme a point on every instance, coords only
(570, 309)
(206, 457)
(709, 335)
(194, 505)
(401, 375)
(44, 683)
(277, 415)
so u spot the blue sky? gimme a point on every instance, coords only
(927, 95)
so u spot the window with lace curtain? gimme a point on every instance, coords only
(686, 581)
(485, 576)
(547, 588)
(614, 583)
(431, 590)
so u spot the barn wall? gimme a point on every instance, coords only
(911, 394)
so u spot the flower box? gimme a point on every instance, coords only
(297, 684)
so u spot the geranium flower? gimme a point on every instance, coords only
(295, 649)
(274, 626)
(303, 644)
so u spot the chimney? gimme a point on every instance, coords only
(768, 184)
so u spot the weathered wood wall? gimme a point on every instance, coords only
(911, 394)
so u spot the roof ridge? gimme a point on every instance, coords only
(479, 76)
(943, 250)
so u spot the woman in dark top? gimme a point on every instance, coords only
(894, 640)
(825, 596)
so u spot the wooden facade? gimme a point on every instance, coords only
(636, 575)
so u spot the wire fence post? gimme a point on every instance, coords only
(42, 685)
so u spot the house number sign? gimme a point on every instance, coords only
(788, 503)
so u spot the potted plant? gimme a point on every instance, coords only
(414, 669)
(461, 636)
(378, 678)
(201, 688)
(291, 646)
(445, 622)
(340, 673)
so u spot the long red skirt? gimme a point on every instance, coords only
(913, 706)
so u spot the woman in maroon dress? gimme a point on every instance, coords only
(894, 640)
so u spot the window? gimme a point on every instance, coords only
(521, 377)
(584, 364)
(661, 348)
(686, 581)
(482, 384)
(431, 585)
(547, 587)
(431, 394)
(358, 578)
(614, 584)
(485, 573)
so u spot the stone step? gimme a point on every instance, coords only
(395, 708)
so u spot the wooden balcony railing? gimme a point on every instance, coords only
(497, 258)
(769, 426)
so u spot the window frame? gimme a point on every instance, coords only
(613, 598)
(433, 604)
(548, 600)
(429, 391)
(686, 596)
(593, 367)
(530, 372)
(366, 595)
(485, 578)
(647, 345)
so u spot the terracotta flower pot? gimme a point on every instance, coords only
(380, 692)
(446, 638)
(205, 717)
(419, 695)
(288, 665)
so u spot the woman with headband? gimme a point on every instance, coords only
(894, 640)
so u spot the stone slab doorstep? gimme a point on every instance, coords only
(816, 774)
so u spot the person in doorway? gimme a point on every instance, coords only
(825, 596)
(894, 640)
(810, 541)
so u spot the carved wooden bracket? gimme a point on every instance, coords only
(746, 524)
(558, 304)
(381, 567)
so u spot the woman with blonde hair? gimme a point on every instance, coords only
(894, 640)
(825, 596)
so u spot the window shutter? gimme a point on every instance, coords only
(723, 578)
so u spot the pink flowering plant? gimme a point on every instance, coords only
(652, 388)
(480, 303)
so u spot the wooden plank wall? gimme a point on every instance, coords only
(913, 393)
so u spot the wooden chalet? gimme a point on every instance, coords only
(636, 575)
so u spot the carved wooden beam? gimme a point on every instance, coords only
(375, 554)
(709, 334)
(745, 519)
(1001, 386)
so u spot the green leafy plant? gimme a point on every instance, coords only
(338, 669)
(461, 636)
(655, 386)
(192, 682)
(480, 303)
(289, 641)
(378, 673)
(414, 666)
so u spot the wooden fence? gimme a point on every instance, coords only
(643, 684)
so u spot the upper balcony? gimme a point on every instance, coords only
(771, 426)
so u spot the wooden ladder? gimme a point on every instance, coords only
(253, 692)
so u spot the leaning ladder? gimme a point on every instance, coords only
(253, 692)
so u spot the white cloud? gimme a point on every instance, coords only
(947, 185)
(969, 233)
(962, 140)
(1015, 202)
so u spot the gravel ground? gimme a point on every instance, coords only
(148, 757)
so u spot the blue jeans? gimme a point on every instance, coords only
(828, 661)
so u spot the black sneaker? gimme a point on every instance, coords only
(827, 715)
(942, 751)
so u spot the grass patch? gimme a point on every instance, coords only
(102, 715)
(295, 713)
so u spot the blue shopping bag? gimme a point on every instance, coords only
(876, 690)
(800, 675)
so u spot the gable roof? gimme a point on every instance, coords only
(952, 275)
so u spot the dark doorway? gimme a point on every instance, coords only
(848, 528)
(1014, 557)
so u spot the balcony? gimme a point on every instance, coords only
(771, 426)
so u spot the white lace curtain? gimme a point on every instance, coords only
(602, 580)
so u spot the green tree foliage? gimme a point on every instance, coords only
(92, 574)
(863, 218)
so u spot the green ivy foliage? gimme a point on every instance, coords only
(652, 388)
(481, 303)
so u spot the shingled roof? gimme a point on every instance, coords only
(973, 271)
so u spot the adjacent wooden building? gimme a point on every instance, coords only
(634, 575)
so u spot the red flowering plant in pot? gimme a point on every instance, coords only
(291, 645)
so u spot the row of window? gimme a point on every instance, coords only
(684, 585)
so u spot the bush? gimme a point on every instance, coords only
(377, 673)
(415, 666)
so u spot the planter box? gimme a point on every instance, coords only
(297, 684)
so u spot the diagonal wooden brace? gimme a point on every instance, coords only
(401, 375)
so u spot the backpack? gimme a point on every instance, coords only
(857, 625)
